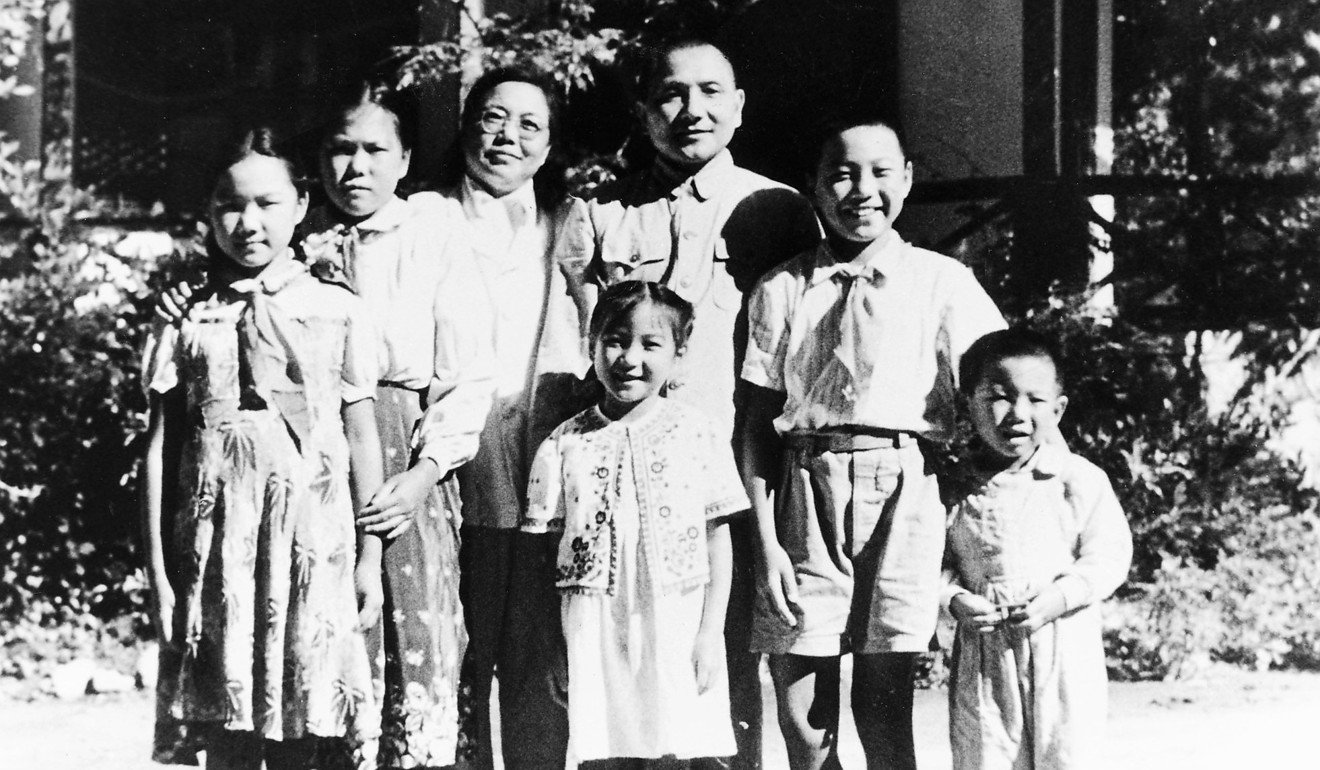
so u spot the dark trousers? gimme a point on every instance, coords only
(744, 665)
(512, 615)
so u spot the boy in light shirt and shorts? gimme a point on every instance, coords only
(853, 354)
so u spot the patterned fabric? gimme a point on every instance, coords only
(634, 499)
(708, 237)
(682, 475)
(922, 310)
(263, 501)
(419, 644)
(403, 261)
(409, 264)
(1038, 700)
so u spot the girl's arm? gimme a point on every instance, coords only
(162, 609)
(761, 457)
(708, 653)
(541, 530)
(364, 457)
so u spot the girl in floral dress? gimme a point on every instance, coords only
(255, 573)
(642, 488)
(395, 252)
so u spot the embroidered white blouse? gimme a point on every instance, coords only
(683, 474)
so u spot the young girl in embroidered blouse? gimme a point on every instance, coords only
(641, 488)
(263, 656)
(1034, 546)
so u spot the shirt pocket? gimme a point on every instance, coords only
(634, 257)
(877, 483)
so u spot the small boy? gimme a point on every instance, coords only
(853, 350)
(1033, 547)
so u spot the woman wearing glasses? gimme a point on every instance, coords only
(510, 217)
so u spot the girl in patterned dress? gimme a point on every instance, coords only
(261, 589)
(641, 488)
(1036, 543)
(395, 252)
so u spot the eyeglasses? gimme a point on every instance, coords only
(492, 122)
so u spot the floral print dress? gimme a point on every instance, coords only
(264, 626)
(395, 260)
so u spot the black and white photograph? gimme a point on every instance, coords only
(659, 384)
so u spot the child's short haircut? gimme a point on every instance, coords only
(1016, 342)
(619, 300)
(829, 129)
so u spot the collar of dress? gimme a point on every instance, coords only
(268, 281)
(388, 217)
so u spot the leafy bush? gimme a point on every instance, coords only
(1255, 608)
(1226, 563)
(72, 324)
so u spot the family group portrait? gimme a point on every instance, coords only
(659, 384)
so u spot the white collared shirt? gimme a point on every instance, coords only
(394, 260)
(513, 291)
(929, 310)
(509, 245)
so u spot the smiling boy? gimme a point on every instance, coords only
(852, 353)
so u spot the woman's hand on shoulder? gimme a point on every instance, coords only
(172, 305)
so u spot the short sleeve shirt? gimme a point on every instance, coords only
(394, 260)
(323, 343)
(927, 309)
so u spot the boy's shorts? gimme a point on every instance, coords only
(861, 519)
